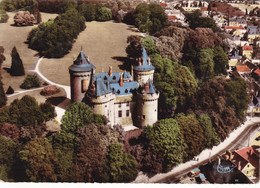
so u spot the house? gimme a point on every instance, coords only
(254, 106)
(247, 51)
(123, 98)
(242, 69)
(163, 5)
(190, 9)
(253, 32)
(237, 22)
(247, 161)
(237, 30)
(256, 141)
(172, 18)
(233, 59)
(256, 74)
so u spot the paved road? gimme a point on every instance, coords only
(237, 136)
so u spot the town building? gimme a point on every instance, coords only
(123, 98)
(247, 51)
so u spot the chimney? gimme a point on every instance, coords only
(139, 61)
(121, 80)
(110, 71)
(146, 87)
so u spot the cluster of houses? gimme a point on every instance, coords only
(244, 39)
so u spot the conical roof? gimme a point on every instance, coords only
(81, 64)
(145, 66)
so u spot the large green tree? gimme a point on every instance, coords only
(39, 160)
(134, 48)
(149, 45)
(118, 166)
(103, 14)
(17, 64)
(165, 139)
(3, 98)
(192, 133)
(175, 83)
(237, 96)
(210, 135)
(149, 18)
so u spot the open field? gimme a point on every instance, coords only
(101, 41)
(11, 36)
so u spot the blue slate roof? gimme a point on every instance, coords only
(114, 78)
(126, 75)
(239, 20)
(102, 88)
(152, 89)
(126, 89)
(202, 176)
(81, 64)
(234, 55)
(144, 66)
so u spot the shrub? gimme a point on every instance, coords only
(30, 82)
(49, 90)
(23, 18)
(17, 68)
(10, 90)
(3, 16)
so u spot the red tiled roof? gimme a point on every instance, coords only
(250, 155)
(172, 17)
(257, 71)
(163, 4)
(213, 8)
(234, 27)
(247, 48)
(243, 69)
(203, 8)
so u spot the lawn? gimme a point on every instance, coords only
(11, 36)
(103, 42)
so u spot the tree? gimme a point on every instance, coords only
(192, 134)
(175, 83)
(165, 139)
(10, 90)
(17, 64)
(30, 81)
(220, 60)
(237, 96)
(23, 18)
(8, 152)
(10, 131)
(103, 14)
(210, 136)
(66, 5)
(195, 20)
(149, 18)
(48, 111)
(39, 160)
(3, 16)
(78, 115)
(93, 142)
(134, 48)
(88, 11)
(3, 98)
(149, 45)
(12, 5)
(118, 166)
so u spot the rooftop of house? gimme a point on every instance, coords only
(146, 64)
(126, 89)
(242, 68)
(234, 27)
(253, 30)
(171, 17)
(234, 54)
(250, 154)
(82, 64)
(163, 4)
(203, 8)
(239, 20)
(255, 101)
(257, 71)
(247, 48)
(148, 88)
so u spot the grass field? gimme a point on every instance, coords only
(11, 36)
(103, 42)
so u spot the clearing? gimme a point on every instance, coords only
(11, 36)
(103, 42)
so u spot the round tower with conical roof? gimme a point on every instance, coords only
(147, 105)
(81, 73)
(144, 70)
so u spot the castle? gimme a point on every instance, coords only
(123, 98)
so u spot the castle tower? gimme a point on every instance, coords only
(147, 105)
(81, 73)
(144, 70)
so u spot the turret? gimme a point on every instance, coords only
(144, 70)
(147, 105)
(81, 73)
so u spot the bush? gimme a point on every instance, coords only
(3, 16)
(49, 90)
(23, 18)
(104, 14)
(12, 5)
(17, 68)
(30, 82)
(10, 90)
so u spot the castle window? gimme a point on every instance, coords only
(128, 104)
(143, 116)
(105, 106)
(114, 77)
(118, 91)
(120, 113)
(127, 113)
(119, 105)
(126, 90)
(105, 78)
